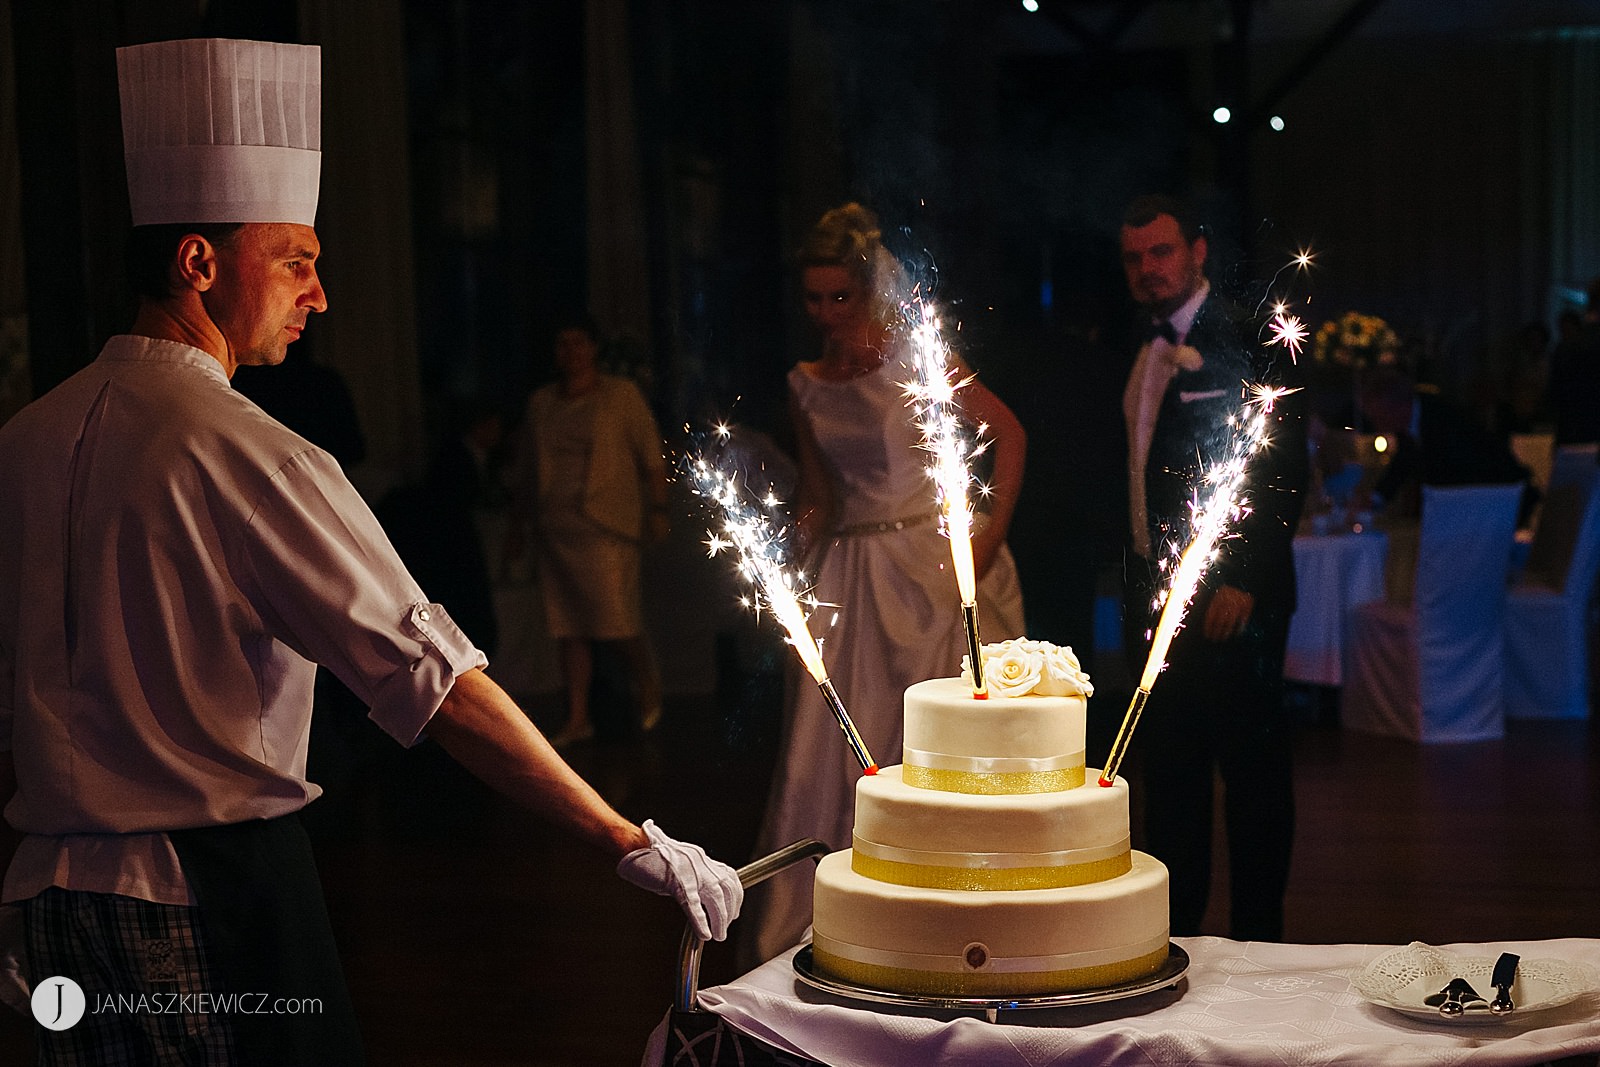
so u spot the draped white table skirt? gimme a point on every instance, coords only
(1242, 1004)
(1333, 573)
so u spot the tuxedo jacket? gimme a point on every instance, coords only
(1192, 432)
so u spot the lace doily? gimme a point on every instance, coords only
(1402, 978)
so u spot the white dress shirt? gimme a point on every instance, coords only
(1152, 372)
(173, 562)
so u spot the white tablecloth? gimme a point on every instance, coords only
(1333, 573)
(1241, 1005)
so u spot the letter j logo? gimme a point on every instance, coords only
(58, 1003)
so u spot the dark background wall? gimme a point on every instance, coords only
(1442, 159)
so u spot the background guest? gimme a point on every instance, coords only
(1575, 377)
(1433, 442)
(592, 484)
(1219, 704)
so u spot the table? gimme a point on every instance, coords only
(1242, 1004)
(1333, 573)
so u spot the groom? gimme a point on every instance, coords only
(1218, 707)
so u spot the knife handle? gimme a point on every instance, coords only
(1505, 972)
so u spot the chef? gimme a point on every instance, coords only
(173, 565)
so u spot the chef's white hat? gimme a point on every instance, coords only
(222, 131)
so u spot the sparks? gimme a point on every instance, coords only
(1303, 259)
(1288, 331)
(1219, 502)
(933, 396)
(761, 556)
(760, 550)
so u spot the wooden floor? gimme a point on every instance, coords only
(473, 936)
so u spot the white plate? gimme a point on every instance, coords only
(1402, 978)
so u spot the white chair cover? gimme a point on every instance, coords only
(1547, 610)
(1433, 670)
(1574, 463)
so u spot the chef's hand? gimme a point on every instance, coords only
(13, 987)
(708, 891)
(1227, 613)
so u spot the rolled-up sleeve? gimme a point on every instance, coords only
(329, 585)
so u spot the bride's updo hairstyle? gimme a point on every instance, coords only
(849, 237)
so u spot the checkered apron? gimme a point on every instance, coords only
(119, 949)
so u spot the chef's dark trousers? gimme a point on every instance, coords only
(261, 903)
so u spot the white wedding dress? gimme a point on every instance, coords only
(892, 616)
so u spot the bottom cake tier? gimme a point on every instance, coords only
(951, 942)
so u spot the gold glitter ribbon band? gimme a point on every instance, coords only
(1012, 782)
(949, 976)
(989, 871)
(992, 775)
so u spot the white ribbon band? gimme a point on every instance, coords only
(989, 860)
(921, 961)
(940, 761)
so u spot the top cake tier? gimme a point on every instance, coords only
(1002, 745)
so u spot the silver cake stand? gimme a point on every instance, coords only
(1175, 967)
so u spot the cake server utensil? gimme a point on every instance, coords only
(1505, 972)
(1453, 999)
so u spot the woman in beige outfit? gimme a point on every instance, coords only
(594, 485)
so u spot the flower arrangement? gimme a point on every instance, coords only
(1356, 340)
(1018, 667)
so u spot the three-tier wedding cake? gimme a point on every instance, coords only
(991, 862)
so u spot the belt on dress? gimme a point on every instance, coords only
(862, 529)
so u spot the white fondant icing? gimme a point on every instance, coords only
(1088, 925)
(1120, 919)
(942, 717)
(891, 814)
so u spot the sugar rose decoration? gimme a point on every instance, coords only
(1019, 667)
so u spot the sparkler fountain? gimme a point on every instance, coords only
(760, 550)
(1221, 502)
(933, 395)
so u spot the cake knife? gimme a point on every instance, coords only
(1505, 972)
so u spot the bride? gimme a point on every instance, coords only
(868, 527)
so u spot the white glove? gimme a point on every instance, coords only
(708, 891)
(13, 987)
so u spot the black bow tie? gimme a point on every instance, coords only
(1161, 328)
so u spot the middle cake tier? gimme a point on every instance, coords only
(939, 840)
